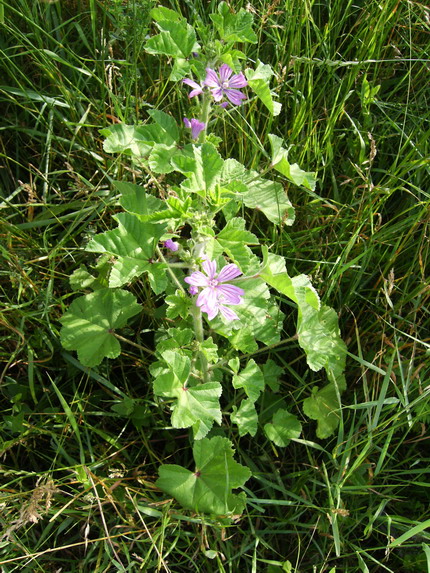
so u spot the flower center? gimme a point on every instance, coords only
(213, 283)
(224, 85)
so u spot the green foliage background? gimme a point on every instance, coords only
(80, 448)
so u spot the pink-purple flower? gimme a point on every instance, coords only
(215, 293)
(195, 125)
(197, 88)
(226, 84)
(171, 245)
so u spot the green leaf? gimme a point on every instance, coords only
(209, 349)
(207, 489)
(201, 164)
(292, 172)
(176, 39)
(138, 140)
(283, 428)
(160, 156)
(160, 14)
(234, 27)
(318, 335)
(178, 305)
(135, 200)
(272, 372)
(270, 198)
(164, 130)
(197, 406)
(258, 81)
(133, 243)
(90, 322)
(245, 418)
(251, 379)
(234, 240)
(128, 139)
(323, 406)
(299, 288)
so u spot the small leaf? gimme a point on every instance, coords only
(129, 139)
(258, 81)
(208, 489)
(245, 418)
(250, 379)
(270, 198)
(234, 240)
(133, 243)
(291, 171)
(202, 165)
(176, 39)
(234, 27)
(196, 406)
(272, 373)
(283, 428)
(89, 324)
(323, 406)
(135, 200)
(178, 305)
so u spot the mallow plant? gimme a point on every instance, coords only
(216, 287)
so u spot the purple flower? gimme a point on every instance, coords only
(216, 293)
(195, 125)
(224, 84)
(171, 245)
(198, 89)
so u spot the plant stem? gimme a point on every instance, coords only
(196, 313)
(169, 270)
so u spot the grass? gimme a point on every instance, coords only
(80, 449)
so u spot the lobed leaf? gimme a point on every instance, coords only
(258, 81)
(234, 27)
(90, 322)
(207, 489)
(133, 243)
(283, 428)
(176, 39)
(290, 171)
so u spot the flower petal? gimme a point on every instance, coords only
(207, 298)
(228, 313)
(237, 81)
(235, 96)
(197, 278)
(229, 294)
(225, 72)
(198, 89)
(217, 94)
(210, 268)
(211, 312)
(211, 79)
(229, 272)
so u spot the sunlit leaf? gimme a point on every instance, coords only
(208, 488)
(245, 417)
(133, 243)
(90, 322)
(251, 379)
(259, 82)
(323, 406)
(291, 171)
(197, 406)
(283, 428)
(234, 27)
(176, 39)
